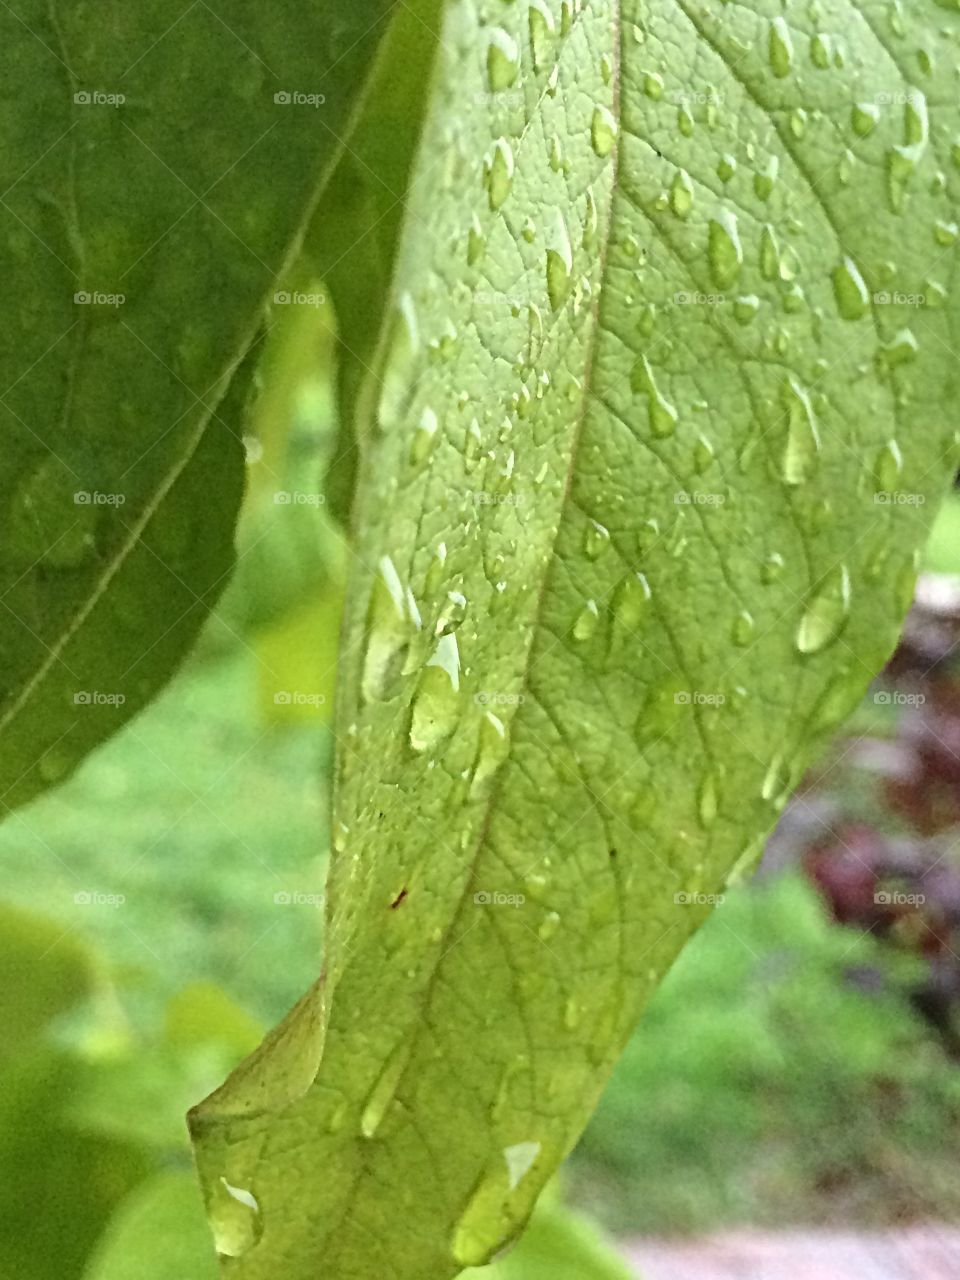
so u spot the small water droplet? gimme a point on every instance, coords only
(596, 540)
(384, 1090)
(559, 263)
(499, 173)
(662, 414)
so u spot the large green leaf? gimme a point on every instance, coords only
(158, 166)
(352, 240)
(660, 432)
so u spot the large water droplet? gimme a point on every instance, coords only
(436, 704)
(781, 48)
(542, 32)
(389, 630)
(603, 131)
(850, 290)
(725, 249)
(802, 452)
(503, 60)
(559, 263)
(499, 1207)
(499, 173)
(826, 613)
(235, 1219)
(396, 378)
(663, 415)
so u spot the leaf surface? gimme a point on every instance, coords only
(659, 434)
(159, 165)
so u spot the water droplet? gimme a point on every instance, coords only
(384, 1091)
(772, 569)
(707, 804)
(887, 467)
(559, 263)
(548, 926)
(452, 614)
(499, 173)
(826, 613)
(503, 60)
(596, 540)
(476, 242)
(901, 349)
(499, 1207)
(586, 624)
(743, 629)
(781, 48)
(663, 415)
(396, 379)
(492, 751)
(850, 290)
(424, 437)
(681, 194)
(542, 32)
(746, 308)
(389, 630)
(603, 131)
(725, 250)
(235, 1219)
(864, 117)
(765, 180)
(802, 453)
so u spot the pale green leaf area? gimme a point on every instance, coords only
(658, 440)
(159, 162)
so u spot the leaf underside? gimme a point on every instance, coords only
(659, 436)
(159, 161)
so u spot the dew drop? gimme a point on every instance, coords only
(503, 60)
(389, 630)
(596, 540)
(826, 613)
(499, 173)
(384, 1091)
(781, 48)
(436, 703)
(603, 131)
(559, 263)
(802, 453)
(235, 1219)
(542, 32)
(725, 250)
(887, 467)
(663, 415)
(850, 290)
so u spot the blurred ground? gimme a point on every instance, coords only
(923, 1253)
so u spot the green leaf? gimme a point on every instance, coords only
(353, 238)
(658, 440)
(159, 168)
(43, 974)
(157, 1233)
(558, 1245)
